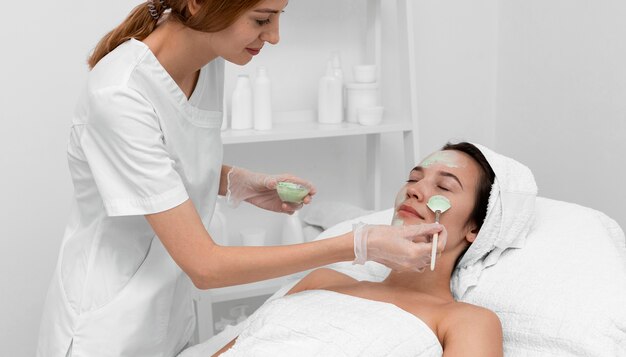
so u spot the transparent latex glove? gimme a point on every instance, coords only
(400, 248)
(260, 190)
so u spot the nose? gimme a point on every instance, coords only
(272, 33)
(417, 190)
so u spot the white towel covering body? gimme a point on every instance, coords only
(327, 323)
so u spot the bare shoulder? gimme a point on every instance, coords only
(472, 328)
(320, 279)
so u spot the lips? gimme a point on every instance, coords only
(409, 211)
(253, 51)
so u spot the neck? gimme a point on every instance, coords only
(181, 51)
(435, 283)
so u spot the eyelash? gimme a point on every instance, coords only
(263, 22)
(440, 187)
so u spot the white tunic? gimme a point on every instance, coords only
(137, 146)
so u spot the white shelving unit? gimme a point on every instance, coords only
(310, 130)
(400, 117)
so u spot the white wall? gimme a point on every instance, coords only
(561, 104)
(456, 60)
(44, 49)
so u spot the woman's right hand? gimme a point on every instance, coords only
(398, 247)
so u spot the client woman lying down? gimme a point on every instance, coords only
(409, 313)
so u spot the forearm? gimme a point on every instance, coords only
(239, 265)
(209, 265)
(223, 180)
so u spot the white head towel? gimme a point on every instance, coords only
(509, 213)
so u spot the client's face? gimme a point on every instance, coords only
(449, 173)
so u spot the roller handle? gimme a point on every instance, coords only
(433, 253)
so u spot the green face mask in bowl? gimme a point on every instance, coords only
(291, 192)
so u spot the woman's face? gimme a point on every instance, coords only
(449, 173)
(244, 39)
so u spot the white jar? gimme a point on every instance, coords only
(262, 100)
(330, 98)
(241, 111)
(361, 95)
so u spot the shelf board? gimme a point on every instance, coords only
(310, 130)
(266, 287)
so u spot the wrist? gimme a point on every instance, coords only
(345, 253)
(360, 243)
(223, 187)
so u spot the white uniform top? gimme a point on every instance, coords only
(137, 146)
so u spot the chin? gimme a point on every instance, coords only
(239, 60)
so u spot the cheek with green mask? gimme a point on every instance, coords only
(446, 158)
(399, 199)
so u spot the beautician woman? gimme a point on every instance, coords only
(145, 156)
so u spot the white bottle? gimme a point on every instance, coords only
(262, 100)
(292, 230)
(241, 111)
(218, 227)
(337, 70)
(224, 114)
(330, 93)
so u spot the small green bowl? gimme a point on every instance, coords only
(291, 192)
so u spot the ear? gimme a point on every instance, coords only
(471, 234)
(193, 6)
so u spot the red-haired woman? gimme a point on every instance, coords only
(145, 156)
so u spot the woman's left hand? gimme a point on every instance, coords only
(260, 190)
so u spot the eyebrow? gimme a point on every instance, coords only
(441, 173)
(269, 11)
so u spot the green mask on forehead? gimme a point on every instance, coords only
(447, 158)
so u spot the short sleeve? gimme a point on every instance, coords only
(123, 145)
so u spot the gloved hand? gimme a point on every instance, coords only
(260, 190)
(398, 247)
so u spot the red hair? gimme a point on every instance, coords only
(212, 16)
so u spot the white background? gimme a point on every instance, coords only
(543, 81)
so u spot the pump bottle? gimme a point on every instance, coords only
(262, 100)
(330, 93)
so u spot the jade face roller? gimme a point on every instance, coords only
(291, 192)
(438, 204)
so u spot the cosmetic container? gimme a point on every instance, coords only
(330, 97)
(262, 99)
(370, 115)
(361, 95)
(241, 108)
(291, 192)
(364, 73)
(335, 59)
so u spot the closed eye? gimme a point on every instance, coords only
(263, 22)
(443, 188)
